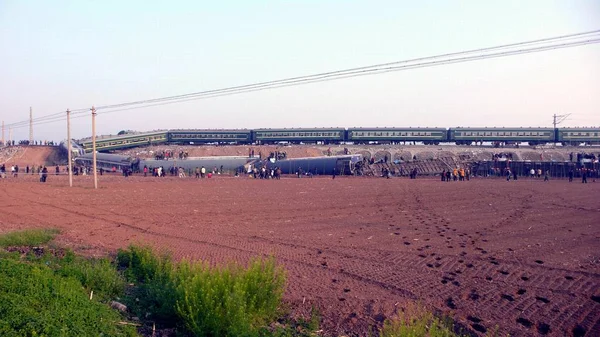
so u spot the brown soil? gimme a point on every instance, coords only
(521, 255)
(30, 155)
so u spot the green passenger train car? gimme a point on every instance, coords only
(577, 136)
(425, 135)
(304, 135)
(210, 136)
(126, 141)
(534, 136)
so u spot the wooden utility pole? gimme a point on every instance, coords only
(30, 126)
(94, 147)
(70, 166)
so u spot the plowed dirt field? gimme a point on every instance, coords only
(521, 255)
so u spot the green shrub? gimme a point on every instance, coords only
(34, 301)
(205, 300)
(99, 275)
(228, 301)
(418, 324)
(28, 237)
(155, 292)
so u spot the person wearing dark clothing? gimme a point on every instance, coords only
(44, 175)
(515, 174)
(334, 173)
(57, 170)
(571, 174)
(584, 176)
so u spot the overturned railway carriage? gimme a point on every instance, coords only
(343, 165)
(533, 136)
(210, 136)
(386, 135)
(325, 136)
(227, 163)
(578, 136)
(107, 161)
(126, 141)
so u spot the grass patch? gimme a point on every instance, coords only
(45, 292)
(98, 275)
(419, 323)
(29, 237)
(203, 300)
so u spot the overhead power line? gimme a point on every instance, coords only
(565, 41)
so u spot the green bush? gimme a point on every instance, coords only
(228, 301)
(205, 300)
(418, 324)
(34, 301)
(155, 292)
(99, 275)
(29, 237)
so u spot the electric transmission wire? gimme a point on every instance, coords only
(539, 45)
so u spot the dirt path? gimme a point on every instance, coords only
(520, 255)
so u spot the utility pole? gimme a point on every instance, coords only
(557, 119)
(70, 166)
(3, 140)
(94, 147)
(30, 126)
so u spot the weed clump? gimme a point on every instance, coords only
(37, 301)
(205, 300)
(29, 237)
(418, 323)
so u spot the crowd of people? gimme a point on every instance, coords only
(14, 171)
(170, 154)
(30, 143)
(456, 174)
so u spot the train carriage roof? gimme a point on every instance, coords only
(502, 128)
(210, 130)
(376, 128)
(302, 129)
(125, 136)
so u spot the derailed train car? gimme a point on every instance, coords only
(228, 163)
(125, 141)
(317, 165)
(107, 161)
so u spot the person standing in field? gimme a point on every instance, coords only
(547, 175)
(571, 174)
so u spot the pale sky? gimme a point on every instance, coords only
(56, 55)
